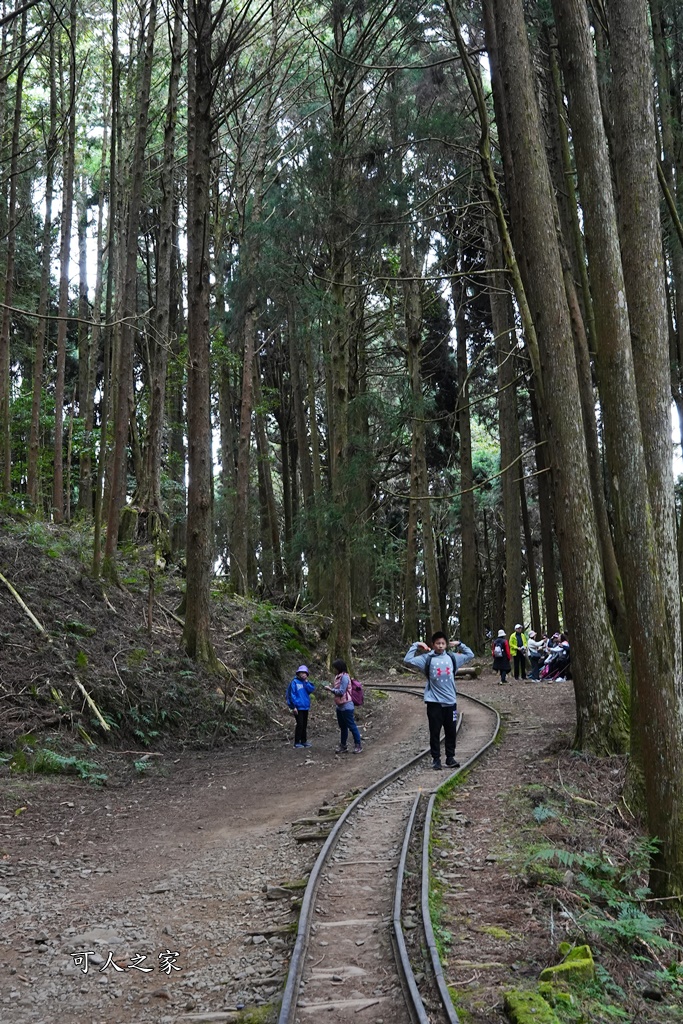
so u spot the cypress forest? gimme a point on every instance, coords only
(371, 307)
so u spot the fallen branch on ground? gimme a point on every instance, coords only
(231, 636)
(145, 753)
(20, 601)
(172, 614)
(96, 711)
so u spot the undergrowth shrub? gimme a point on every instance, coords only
(611, 893)
(34, 759)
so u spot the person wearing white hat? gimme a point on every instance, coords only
(500, 650)
(518, 647)
(535, 648)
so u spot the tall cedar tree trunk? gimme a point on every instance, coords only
(175, 403)
(563, 175)
(469, 577)
(613, 584)
(5, 328)
(250, 207)
(510, 456)
(502, 323)
(413, 322)
(510, 239)
(658, 703)
(668, 98)
(316, 581)
(265, 540)
(239, 532)
(638, 209)
(428, 540)
(668, 74)
(339, 584)
(297, 375)
(124, 407)
(95, 343)
(196, 634)
(339, 592)
(64, 260)
(5, 387)
(551, 599)
(640, 236)
(534, 607)
(550, 587)
(583, 328)
(512, 528)
(361, 490)
(107, 334)
(162, 314)
(226, 388)
(290, 489)
(410, 603)
(86, 357)
(33, 480)
(411, 621)
(598, 677)
(270, 524)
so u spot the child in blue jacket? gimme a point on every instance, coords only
(299, 702)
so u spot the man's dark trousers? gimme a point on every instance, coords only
(441, 716)
(520, 665)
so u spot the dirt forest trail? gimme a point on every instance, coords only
(168, 873)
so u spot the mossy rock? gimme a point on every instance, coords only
(578, 965)
(555, 996)
(266, 1014)
(525, 1007)
(496, 933)
(128, 525)
(569, 950)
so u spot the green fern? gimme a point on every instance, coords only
(630, 925)
(43, 761)
(542, 812)
(613, 911)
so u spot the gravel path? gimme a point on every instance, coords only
(174, 874)
(169, 875)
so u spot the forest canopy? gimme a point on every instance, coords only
(373, 307)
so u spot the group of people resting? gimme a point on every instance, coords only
(549, 657)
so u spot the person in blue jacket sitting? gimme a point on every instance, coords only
(440, 696)
(299, 702)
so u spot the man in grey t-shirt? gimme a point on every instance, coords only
(440, 696)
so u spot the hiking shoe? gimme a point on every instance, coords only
(358, 749)
(306, 744)
(437, 766)
(340, 750)
(298, 746)
(452, 763)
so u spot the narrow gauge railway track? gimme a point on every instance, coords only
(351, 953)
